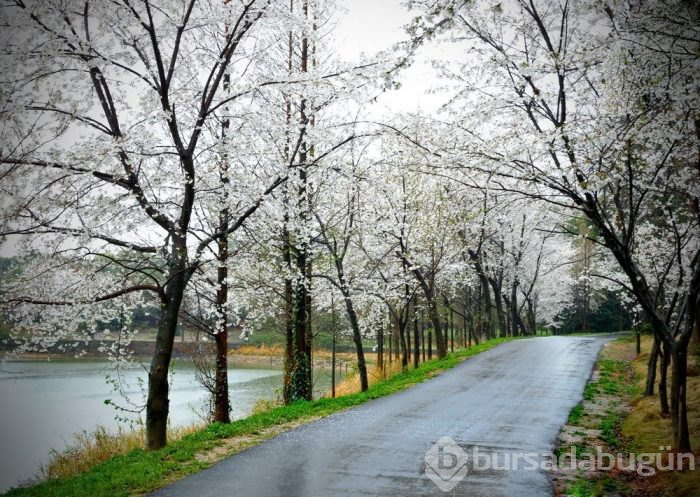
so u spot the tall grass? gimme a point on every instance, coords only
(259, 350)
(89, 449)
(278, 351)
(351, 383)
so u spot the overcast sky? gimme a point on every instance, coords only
(368, 26)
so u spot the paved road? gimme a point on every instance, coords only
(513, 398)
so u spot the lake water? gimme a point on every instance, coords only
(43, 404)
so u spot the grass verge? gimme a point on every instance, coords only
(615, 418)
(92, 448)
(138, 471)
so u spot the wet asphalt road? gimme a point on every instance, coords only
(511, 399)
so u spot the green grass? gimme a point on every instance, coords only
(576, 414)
(609, 428)
(595, 488)
(141, 471)
(612, 380)
(589, 391)
(578, 450)
(611, 372)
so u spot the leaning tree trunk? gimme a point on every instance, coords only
(157, 402)
(356, 336)
(401, 326)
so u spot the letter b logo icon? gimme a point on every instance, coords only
(446, 464)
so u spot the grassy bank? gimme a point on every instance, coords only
(139, 471)
(274, 356)
(615, 418)
(89, 449)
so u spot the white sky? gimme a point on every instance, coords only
(369, 26)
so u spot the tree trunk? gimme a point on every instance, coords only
(679, 407)
(531, 316)
(301, 378)
(452, 331)
(433, 314)
(300, 385)
(431, 301)
(289, 366)
(422, 333)
(333, 350)
(464, 333)
(500, 312)
(308, 313)
(514, 317)
(222, 406)
(391, 357)
(679, 375)
(402, 338)
(356, 337)
(440, 340)
(416, 338)
(651, 368)
(157, 402)
(663, 374)
(408, 339)
(487, 324)
(289, 342)
(380, 347)
(300, 388)
(395, 331)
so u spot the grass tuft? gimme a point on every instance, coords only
(576, 414)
